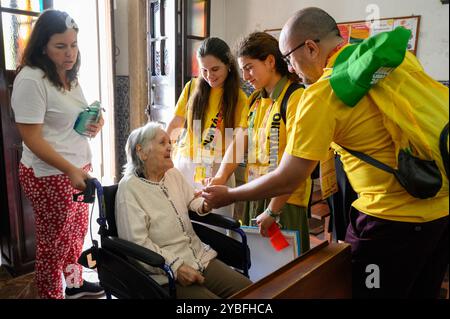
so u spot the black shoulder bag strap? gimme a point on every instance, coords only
(370, 160)
(443, 148)
(292, 87)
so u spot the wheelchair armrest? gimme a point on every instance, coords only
(215, 220)
(133, 250)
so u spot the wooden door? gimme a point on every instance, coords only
(17, 228)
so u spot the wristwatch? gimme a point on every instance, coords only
(272, 214)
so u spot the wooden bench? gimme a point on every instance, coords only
(322, 272)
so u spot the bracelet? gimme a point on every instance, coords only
(272, 214)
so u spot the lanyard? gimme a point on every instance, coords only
(251, 123)
(213, 143)
(336, 49)
(263, 135)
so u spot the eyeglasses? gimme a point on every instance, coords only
(286, 57)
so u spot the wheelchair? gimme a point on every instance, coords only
(115, 258)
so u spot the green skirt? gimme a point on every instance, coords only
(293, 217)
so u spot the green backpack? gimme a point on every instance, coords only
(416, 120)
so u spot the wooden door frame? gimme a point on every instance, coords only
(137, 62)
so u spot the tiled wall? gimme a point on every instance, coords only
(122, 118)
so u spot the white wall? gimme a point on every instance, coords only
(245, 16)
(121, 36)
(218, 14)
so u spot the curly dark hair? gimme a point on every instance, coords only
(259, 45)
(49, 23)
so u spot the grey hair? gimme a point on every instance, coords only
(140, 136)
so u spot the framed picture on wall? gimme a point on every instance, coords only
(357, 31)
(274, 32)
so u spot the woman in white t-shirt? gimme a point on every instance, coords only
(47, 100)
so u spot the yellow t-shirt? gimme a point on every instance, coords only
(208, 127)
(268, 136)
(322, 119)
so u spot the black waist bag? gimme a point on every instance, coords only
(420, 178)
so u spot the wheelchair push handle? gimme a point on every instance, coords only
(88, 195)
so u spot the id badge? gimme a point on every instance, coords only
(200, 173)
(207, 158)
(328, 181)
(255, 171)
(263, 170)
(204, 169)
(252, 173)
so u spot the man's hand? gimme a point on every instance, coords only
(187, 275)
(217, 196)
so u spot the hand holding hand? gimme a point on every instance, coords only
(217, 196)
(210, 181)
(197, 193)
(206, 208)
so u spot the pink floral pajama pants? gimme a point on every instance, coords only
(61, 226)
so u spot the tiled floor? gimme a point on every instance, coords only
(23, 287)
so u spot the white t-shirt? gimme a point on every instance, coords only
(35, 100)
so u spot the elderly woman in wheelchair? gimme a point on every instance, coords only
(152, 204)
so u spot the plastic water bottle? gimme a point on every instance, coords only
(89, 116)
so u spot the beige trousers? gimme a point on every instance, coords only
(221, 281)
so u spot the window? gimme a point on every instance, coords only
(17, 18)
(195, 17)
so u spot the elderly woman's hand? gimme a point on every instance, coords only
(93, 129)
(187, 275)
(205, 207)
(217, 180)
